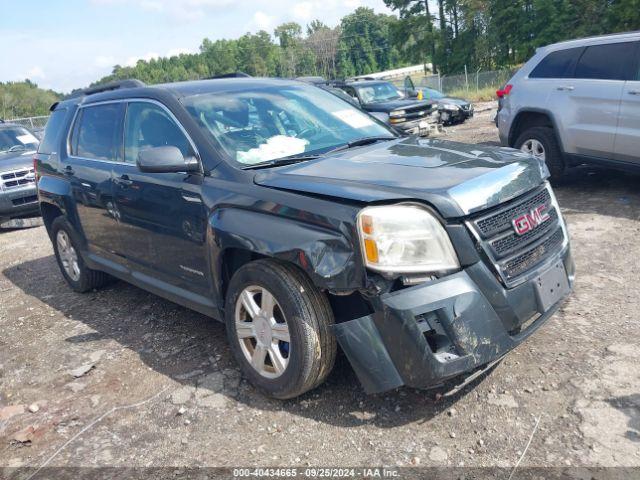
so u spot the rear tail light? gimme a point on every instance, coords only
(503, 92)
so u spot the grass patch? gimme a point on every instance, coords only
(486, 94)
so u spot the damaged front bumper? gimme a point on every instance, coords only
(423, 335)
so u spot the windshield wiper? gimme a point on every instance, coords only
(303, 158)
(281, 161)
(360, 142)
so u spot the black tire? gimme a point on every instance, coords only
(88, 279)
(312, 350)
(553, 155)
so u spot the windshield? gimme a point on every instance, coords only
(17, 139)
(260, 124)
(431, 93)
(379, 92)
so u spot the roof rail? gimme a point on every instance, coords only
(230, 75)
(118, 84)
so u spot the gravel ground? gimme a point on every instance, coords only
(68, 359)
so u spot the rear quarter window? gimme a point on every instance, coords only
(557, 64)
(52, 131)
(606, 62)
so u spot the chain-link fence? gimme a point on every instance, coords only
(34, 123)
(469, 81)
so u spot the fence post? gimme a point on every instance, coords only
(478, 79)
(466, 77)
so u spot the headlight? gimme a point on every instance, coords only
(451, 107)
(397, 113)
(404, 239)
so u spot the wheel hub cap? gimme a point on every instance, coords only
(263, 331)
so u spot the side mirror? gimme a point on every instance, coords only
(412, 93)
(167, 159)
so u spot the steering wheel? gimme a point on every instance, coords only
(17, 148)
(310, 131)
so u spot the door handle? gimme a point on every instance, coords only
(68, 170)
(566, 88)
(634, 92)
(124, 180)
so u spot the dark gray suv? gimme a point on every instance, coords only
(303, 223)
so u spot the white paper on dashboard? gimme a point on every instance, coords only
(353, 118)
(27, 138)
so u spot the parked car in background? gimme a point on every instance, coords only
(301, 222)
(453, 110)
(576, 102)
(409, 116)
(324, 84)
(18, 195)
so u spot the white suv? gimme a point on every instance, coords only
(576, 102)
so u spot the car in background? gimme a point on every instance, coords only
(453, 110)
(322, 83)
(576, 102)
(409, 116)
(18, 195)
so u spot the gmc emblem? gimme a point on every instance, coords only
(530, 220)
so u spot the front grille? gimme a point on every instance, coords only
(512, 255)
(24, 200)
(501, 221)
(416, 113)
(511, 242)
(17, 178)
(524, 262)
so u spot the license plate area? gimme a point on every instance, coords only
(551, 286)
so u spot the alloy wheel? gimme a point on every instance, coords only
(263, 332)
(68, 255)
(534, 147)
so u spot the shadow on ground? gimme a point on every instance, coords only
(185, 345)
(600, 191)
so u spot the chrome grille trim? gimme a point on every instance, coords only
(515, 258)
(16, 178)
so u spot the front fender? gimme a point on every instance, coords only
(326, 255)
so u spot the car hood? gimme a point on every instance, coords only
(454, 100)
(402, 104)
(457, 179)
(16, 160)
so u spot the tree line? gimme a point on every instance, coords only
(449, 34)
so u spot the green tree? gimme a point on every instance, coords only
(25, 99)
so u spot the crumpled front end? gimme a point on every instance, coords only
(423, 335)
(519, 273)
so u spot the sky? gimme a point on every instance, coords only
(67, 44)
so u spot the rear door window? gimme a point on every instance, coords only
(52, 131)
(606, 62)
(557, 64)
(98, 134)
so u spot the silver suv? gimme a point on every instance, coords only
(576, 102)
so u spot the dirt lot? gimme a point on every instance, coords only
(162, 385)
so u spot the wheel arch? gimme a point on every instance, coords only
(326, 256)
(533, 117)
